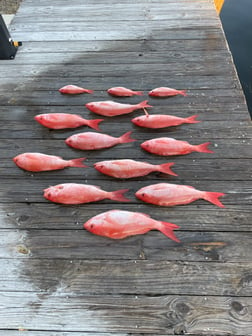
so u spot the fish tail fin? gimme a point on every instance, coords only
(191, 120)
(126, 137)
(77, 162)
(89, 91)
(118, 195)
(138, 93)
(144, 104)
(183, 92)
(203, 148)
(166, 168)
(94, 124)
(167, 230)
(213, 197)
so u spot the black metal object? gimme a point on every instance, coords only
(8, 47)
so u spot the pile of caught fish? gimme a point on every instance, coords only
(117, 223)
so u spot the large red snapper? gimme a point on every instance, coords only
(127, 168)
(170, 146)
(76, 193)
(110, 108)
(37, 162)
(119, 224)
(162, 120)
(65, 120)
(92, 140)
(166, 194)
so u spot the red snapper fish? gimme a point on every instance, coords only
(110, 108)
(127, 168)
(121, 91)
(92, 140)
(65, 120)
(37, 162)
(166, 92)
(170, 146)
(74, 89)
(118, 224)
(165, 194)
(162, 120)
(75, 193)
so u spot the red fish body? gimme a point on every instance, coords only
(170, 146)
(92, 140)
(165, 194)
(118, 224)
(37, 162)
(65, 120)
(110, 108)
(130, 168)
(74, 89)
(75, 193)
(166, 92)
(162, 120)
(121, 91)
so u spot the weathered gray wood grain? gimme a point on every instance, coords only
(49, 216)
(208, 169)
(212, 130)
(31, 190)
(117, 313)
(114, 277)
(170, 43)
(147, 284)
(76, 243)
(223, 149)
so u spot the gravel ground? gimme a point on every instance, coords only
(9, 6)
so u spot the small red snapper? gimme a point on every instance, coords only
(166, 92)
(92, 140)
(170, 146)
(127, 168)
(166, 194)
(162, 120)
(74, 89)
(65, 120)
(37, 162)
(121, 91)
(119, 224)
(75, 193)
(110, 108)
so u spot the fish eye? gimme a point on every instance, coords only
(143, 194)
(91, 226)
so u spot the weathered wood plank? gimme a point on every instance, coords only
(45, 83)
(78, 244)
(190, 30)
(127, 57)
(112, 12)
(48, 216)
(223, 149)
(237, 192)
(212, 130)
(208, 169)
(135, 314)
(170, 43)
(213, 112)
(118, 70)
(110, 277)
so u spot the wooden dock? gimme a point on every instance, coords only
(58, 279)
